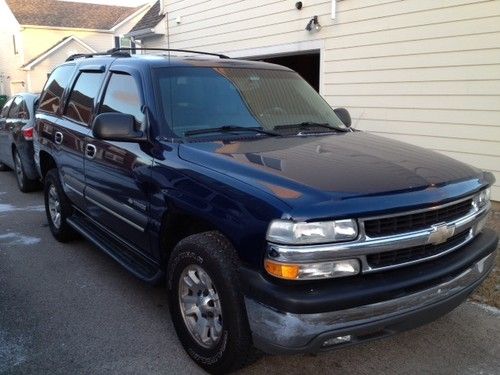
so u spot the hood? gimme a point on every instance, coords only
(337, 166)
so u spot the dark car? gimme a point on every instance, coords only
(275, 225)
(17, 121)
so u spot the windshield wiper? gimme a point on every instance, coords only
(227, 129)
(310, 124)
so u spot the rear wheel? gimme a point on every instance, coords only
(3, 167)
(57, 208)
(206, 305)
(25, 184)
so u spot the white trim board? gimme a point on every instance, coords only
(57, 47)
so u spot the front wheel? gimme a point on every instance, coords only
(207, 307)
(57, 208)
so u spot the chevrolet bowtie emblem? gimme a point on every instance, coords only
(440, 233)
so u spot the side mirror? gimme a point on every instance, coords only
(115, 126)
(344, 116)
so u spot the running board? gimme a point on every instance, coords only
(121, 252)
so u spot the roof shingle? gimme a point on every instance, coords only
(68, 14)
(150, 19)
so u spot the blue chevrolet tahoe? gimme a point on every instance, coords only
(275, 225)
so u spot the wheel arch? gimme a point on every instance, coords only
(177, 225)
(47, 162)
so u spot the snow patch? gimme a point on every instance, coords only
(12, 352)
(491, 309)
(6, 207)
(18, 239)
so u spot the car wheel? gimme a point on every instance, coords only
(25, 184)
(3, 167)
(206, 303)
(57, 208)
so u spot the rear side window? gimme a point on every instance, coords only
(123, 96)
(50, 99)
(23, 111)
(81, 99)
(5, 109)
(15, 108)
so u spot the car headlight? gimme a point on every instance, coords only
(482, 198)
(292, 233)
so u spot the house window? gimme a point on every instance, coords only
(124, 42)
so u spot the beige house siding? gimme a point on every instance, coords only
(38, 75)
(425, 72)
(10, 79)
(40, 39)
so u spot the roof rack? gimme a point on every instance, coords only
(86, 55)
(124, 52)
(121, 49)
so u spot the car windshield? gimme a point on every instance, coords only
(200, 98)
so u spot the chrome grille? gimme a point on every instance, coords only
(416, 221)
(415, 253)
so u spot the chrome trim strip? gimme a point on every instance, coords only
(366, 268)
(117, 215)
(289, 329)
(366, 245)
(432, 208)
(74, 190)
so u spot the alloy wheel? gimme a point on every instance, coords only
(54, 207)
(200, 306)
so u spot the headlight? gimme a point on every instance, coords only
(289, 232)
(482, 198)
(312, 271)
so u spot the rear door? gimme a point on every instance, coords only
(20, 119)
(118, 173)
(3, 130)
(10, 125)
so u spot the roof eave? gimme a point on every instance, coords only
(143, 33)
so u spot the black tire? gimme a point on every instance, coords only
(25, 184)
(3, 167)
(60, 229)
(216, 256)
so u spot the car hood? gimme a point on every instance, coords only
(313, 169)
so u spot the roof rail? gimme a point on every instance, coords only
(125, 52)
(89, 55)
(121, 49)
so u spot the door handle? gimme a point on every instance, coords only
(90, 151)
(58, 138)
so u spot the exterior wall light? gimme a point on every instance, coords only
(313, 25)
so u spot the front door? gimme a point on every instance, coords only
(71, 131)
(118, 173)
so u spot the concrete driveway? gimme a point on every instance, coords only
(70, 309)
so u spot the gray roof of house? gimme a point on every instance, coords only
(150, 19)
(68, 14)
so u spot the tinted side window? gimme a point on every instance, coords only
(51, 97)
(5, 109)
(81, 99)
(23, 111)
(15, 107)
(122, 95)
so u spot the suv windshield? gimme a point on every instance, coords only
(209, 98)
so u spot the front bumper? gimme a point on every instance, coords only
(278, 332)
